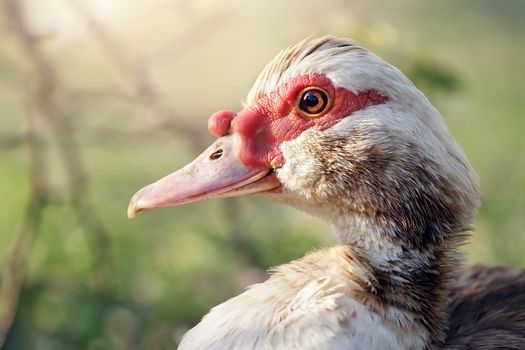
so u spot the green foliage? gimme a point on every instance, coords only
(433, 76)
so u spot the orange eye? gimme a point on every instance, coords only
(313, 102)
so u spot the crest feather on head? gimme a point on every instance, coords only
(315, 49)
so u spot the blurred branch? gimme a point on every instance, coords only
(8, 141)
(44, 99)
(58, 121)
(16, 264)
(143, 87)
(87, 95)
(199, 30)
(150, 97)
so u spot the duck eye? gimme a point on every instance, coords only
(313, 102)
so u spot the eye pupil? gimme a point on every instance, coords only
(313, 102)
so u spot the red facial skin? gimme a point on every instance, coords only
(274, 118)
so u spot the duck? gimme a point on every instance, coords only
(333, 130)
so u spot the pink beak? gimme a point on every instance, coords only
(216, 173)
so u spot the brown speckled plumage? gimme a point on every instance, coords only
(421, 214)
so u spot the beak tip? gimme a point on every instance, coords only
(134, 206)
(132, 212)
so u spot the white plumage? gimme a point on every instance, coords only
(304, 305)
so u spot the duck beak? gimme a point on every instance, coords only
(216, 173)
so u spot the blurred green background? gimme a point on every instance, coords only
(100, 97)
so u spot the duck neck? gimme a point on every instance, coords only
(408, 281)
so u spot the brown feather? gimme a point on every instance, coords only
(487, 309)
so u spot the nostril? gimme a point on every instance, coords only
(216, 155)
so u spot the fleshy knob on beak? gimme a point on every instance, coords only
(219, 123)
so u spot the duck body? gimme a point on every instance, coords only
(317, 302)
(486, 311)
(331, 129)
